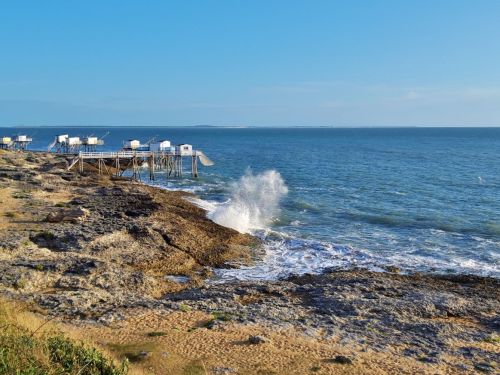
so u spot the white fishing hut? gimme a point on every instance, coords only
(60, 142)
(159, 146)
(21, 142)
(5, 142)
(21, 138)
(73, 141)
(132, 144)
(184, 149)
(91, 141)
(61, 138)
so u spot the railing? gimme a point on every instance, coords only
(128, 154)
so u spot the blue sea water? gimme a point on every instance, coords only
(423, 199)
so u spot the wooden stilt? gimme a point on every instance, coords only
(125, 162)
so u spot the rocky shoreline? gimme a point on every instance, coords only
(420, 315)
(85, 245)
(92, 249)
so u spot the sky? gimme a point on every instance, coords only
(250, 63)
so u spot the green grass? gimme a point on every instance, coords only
(46, 235)
(184, 308)
(26, 243)
(492, 339)
(216, 316)
(195, 368)
(19, 284)
(223, 316)
(26, 349)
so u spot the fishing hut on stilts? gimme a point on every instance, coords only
(136, 163)
(134, 160)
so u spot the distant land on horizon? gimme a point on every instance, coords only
(255, 126)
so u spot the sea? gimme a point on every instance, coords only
(420, 199)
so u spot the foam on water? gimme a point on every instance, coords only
(253, 207)
(254, 202)
(286, 255)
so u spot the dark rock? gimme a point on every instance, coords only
(343, 360)
(145, 354)
(257, 340)
(484, 367)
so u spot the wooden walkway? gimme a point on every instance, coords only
(117, 163)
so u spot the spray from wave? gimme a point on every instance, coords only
(254, 202)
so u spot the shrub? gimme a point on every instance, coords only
(223, 316)
(47, 236)
(70, 356)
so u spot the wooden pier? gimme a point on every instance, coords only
(137, 162)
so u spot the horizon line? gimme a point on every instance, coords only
(257, 126)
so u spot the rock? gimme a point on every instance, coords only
(72, 215)
(343, 360)
(428, 360)
(144, 355)
(257, 340)
(83, 267)
(393, 269)
(223, 370)
(484, 367)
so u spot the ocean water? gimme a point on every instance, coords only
(422, 199)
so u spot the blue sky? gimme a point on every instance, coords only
(258, 63)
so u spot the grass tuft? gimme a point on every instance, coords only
(492, 339)
(27, 349)
(46, 235)
(222, 316)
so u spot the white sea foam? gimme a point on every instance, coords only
(286, 255)
(254, 205)
(208, 206)
(254, 202)
(289, 255)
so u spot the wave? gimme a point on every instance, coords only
(287, 255)
(252, 205)
(254, 202)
